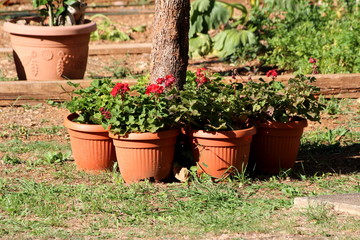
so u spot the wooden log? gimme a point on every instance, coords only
(110, 49)
(337, 85)
(20, 92)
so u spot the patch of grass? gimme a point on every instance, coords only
(146, 210)
(19, 131)
(38, 148)
(341, 136)
(320, 214)
(46, 197)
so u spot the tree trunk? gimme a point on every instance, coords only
(170, 46)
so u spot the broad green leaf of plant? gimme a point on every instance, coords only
(202, 5)
(228, 41)
(200, 46)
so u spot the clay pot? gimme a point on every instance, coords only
(276, 145)
(50, 53)
(92, 148)
(220, 153)
(145, 155)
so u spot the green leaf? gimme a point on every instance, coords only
(141, 28)
(220, 14)
(200, 45)
(202, 5)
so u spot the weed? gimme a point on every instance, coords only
(106, 30)
(333, 105)
(56, 157)
(32, 107)
(320, 214)
(8, 159)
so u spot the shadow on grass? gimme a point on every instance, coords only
(320, 159)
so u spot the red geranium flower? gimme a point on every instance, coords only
(201, 77)
(160, 80)
(120, 88)
(272, 73)
(169, 80)
(154, 88)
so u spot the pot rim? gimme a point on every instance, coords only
(224, 134)
(13, 28)
(274, 124)
(146, 135)
(80, 126)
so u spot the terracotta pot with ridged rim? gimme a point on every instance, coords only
(92, 148)
(145, 155)
(219, 153)
(50, 53)
(276, 145)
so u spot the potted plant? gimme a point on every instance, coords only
(280, 113)
(92, 148)
(53, 46)
(215, 118)
(142, 126)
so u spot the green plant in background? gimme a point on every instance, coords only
(325, 31)
(238, 32)
(106, 30)
(280, 33)
(209, 15)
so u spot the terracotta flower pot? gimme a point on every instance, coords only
(219, 153)
(50, 53)
(91, 145)
(145, 155)
(276, 145)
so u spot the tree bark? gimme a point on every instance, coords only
(170, 46)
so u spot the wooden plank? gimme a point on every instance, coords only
(337, 85)
(110, 49)
(16, 92)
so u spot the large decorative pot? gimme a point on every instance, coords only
(220, 153)
(92, 148)
(276, 145)
(50, 53)
(145, 155)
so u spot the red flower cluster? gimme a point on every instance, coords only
(272, 73)
(201, 77)
(169, 80)
(120, 88)
(312, 60)
(154, 88)
(106, 114)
